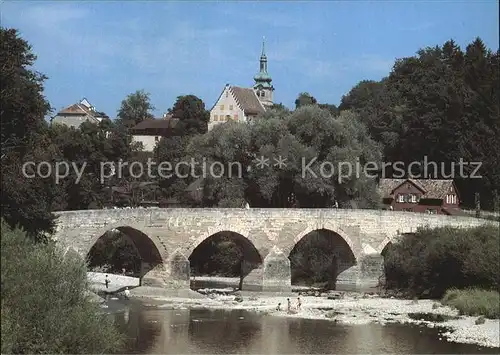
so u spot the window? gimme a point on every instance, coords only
(414, 198)
(451, 199)
(227, 93)
(401, 198)
(216, 117)
(231, 107)
(222, 107)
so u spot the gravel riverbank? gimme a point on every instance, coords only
(349, 308)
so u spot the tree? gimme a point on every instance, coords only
(23, 104)
(304, 99)
(136, 108)
(334, 111)
(192, 115)
(25, 201)
(363, 95)
(309, 135)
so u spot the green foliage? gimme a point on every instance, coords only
(309, 134)
(136, 108)
(192, 115)
(442, 103)
(304, 99)
(45, 307)
(116, 252)
(20, 118)
(474, 302)
(25, 201)
(432, 261)
(93, 144)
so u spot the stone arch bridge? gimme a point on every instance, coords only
(165, 238)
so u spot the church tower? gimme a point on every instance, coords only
(263, 87)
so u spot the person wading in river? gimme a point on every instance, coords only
(106, 281)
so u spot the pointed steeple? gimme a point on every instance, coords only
(263, 58)
(263, 76)
(263, 87)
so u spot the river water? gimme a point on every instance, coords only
(153, 330)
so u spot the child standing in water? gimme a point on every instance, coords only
(106, 281)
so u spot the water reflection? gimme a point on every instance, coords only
(161, 331)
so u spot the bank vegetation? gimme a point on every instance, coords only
(45, 302)
(459, 266)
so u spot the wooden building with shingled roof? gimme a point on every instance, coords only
(434, 196)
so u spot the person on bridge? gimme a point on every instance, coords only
(106, 281)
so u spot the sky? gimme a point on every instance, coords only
(105, 50)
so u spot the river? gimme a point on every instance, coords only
(153, 330)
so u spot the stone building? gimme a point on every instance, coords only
(74, 115)
(243, 104)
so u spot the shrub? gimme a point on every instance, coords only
(474, 302)
(45, 308)
(433, 260)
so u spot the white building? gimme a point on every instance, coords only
(242, 104)
(150, 132)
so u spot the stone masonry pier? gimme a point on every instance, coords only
(174, 233)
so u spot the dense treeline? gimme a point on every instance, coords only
(442, 103)
(432, 261)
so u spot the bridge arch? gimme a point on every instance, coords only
(327, 227)
(136, 231)
(320, 254)
(224, 253)
(148, 250)
(221, 228)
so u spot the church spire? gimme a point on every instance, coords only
(263, 58)
(263, 87)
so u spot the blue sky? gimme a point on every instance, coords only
(106, 50)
